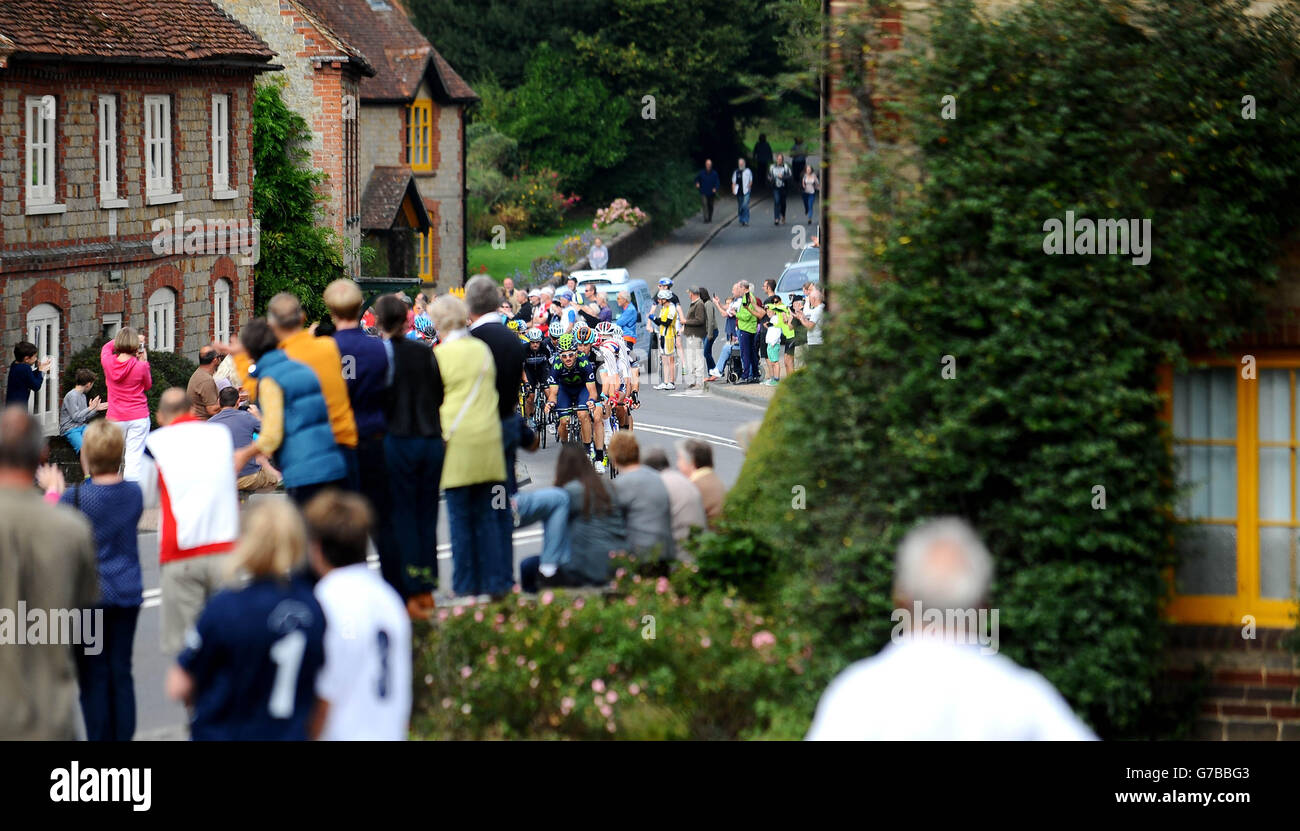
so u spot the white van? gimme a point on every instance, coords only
(637, 290)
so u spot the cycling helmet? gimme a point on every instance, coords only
(515, 325)
(664, 294)
(581, 333)
(591, 336)
(534, 335)
(424, 325)
(566, 342)
(557, 329)
(606, 329)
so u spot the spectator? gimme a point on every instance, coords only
(643, 499)
(48, 558)
(742, 182)
(712, 327)
(695, 461)
(415, 450)
(253, 476)
(113, 507)
(606, 314)
(813, 311)
(808, 187)
(778, 176)
(198, 520)
(23, 379)
(76, 411)
(571, 283)
(590, 525)
(748, 313)
(598, 256)
(365, 361)
(779, 331)
(127, 376)
(706, 182)
(732, 332)
(932, 686)
(474, 472)
(762, 152)
(799, 160)
(295, 432)
(365, 686)
(508, 287)
(202, 388)
(694, 330)
(232, 670)
(590, 309)
(523, 307)
(508, 356)
(227, 375)
(321, 355)
(666, 319)
(627, 318)
(684, 500)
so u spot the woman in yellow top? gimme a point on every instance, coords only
(667, 317)
(474, 468)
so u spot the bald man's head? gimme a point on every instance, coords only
(22, 444)
(285, 314)
(172, 404)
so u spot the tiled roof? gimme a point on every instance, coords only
(382, 200)
(397, 50)
(336, 41)
(161, 31)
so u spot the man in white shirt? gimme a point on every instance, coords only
(932, 682)
(365, 685)
(742, 180)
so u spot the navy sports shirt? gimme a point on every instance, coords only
(254, 656)
(581, 374)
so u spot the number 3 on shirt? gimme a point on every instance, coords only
(287, 654)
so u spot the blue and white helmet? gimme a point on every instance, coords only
(556, 329)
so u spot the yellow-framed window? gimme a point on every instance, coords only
(1236, 440)
(419, 154)
(424, 255)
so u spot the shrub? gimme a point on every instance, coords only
(646, 662)
(730, 557)
(1056, 357)
(620, 210)
(168, 369)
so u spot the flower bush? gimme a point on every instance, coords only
(574, 247)
(620, 210)
(645, 661)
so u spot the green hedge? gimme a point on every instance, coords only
(1108, 110)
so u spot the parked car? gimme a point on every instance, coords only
(794, 276)
(809, 253)
(613, 280)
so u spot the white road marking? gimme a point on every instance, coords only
(682, 433)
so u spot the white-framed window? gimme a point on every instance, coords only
(110, 326)
(158, 145)
(42, 111)
(162, 320)
(221, 310)
(221, 147)
(107, 149)
(43, 330)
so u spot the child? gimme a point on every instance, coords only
(77, 412)
(113, 507)
(23, 379)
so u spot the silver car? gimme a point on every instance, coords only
(791, 281)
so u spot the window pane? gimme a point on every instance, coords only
(1210, 476)
(1275, 483)
(1274, 405)
(1275, 556)
(1209, 560)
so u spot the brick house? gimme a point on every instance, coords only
(322, 76)
(1234, 595)
(412, 124)
(126, 148)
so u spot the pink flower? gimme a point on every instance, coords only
(500, 618)
(636, 578)
(661, 585)
(606, 710)
(458, 611)
(428, 680)
(466, 672)
(548, 597)
(762, 639)
(598, 686)
(618, 575)
(532, 684)
(478, 615)
(631, 601)
(566, 705)
(705, 642)
(634, 689)
(579, 603)
(611, 727)
(520, 661)
(442, 615)
(611, 697)
(466, 709)
(446, 703)
(532, 665)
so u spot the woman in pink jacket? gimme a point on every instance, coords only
(127, 375)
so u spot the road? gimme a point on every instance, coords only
(754, 253)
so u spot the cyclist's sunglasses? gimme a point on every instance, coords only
(569, 354)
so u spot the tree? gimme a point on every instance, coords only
(297, 254)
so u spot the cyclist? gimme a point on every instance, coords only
(571, 384)
(614, 373)
(585, 339)
(537, 367)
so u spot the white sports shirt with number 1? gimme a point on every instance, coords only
(367, 673)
